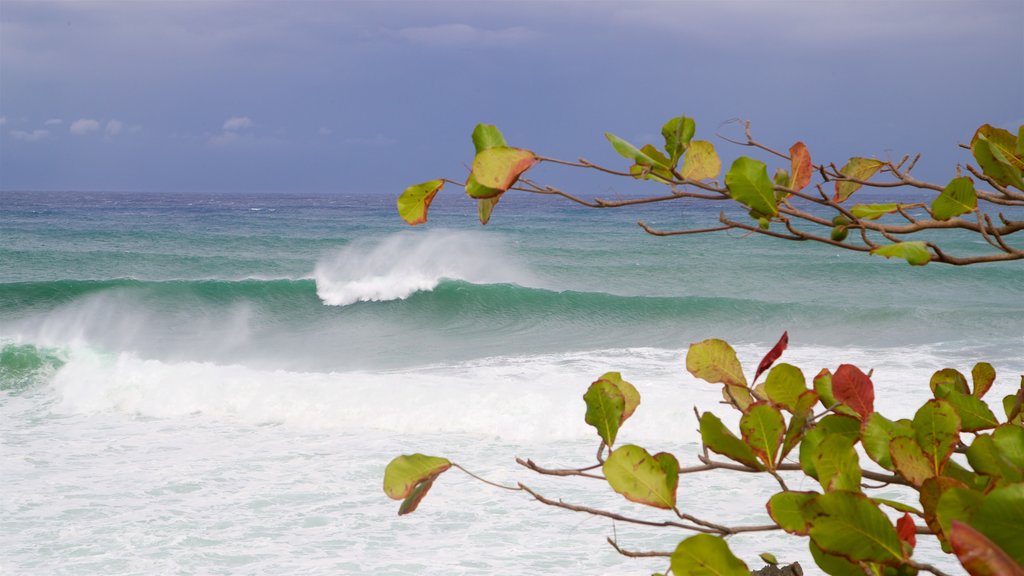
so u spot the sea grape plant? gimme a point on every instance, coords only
(963, 463)
(784, 204)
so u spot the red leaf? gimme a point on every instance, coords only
(906, 530)
(979, 555)
(853, 388)
(772, 355)
(801, 166)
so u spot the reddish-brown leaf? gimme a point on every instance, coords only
(853, 388)
(979, 555)
(772, 355)
(801, 166)
(906, 530)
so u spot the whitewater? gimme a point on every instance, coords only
(213, 384)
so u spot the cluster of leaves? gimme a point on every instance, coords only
(965, 466)
(781, 205)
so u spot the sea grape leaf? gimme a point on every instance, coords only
(906, 530)
(983, 375)
(823, 386)
(836, 463)
(787, 510)
(854, 389)
(478, 191)
(762, 427)
(909, 460)
(974, 414)
(979, 555)
(873, 211)
(410, 476)
(485, 206)
(800, 162)
(999, 519)
(748, 184)
(627, 150)
(930, 494)
(772, 355)
(605, 408)
(876, 434)
(706, 555)
(717, 438)
(498, 169)
(784, 385)
(987, 458)
(970, 479)
(956, 504)
(642, 478)
(829, 425)
(629, 392)
(797, 424)
(487, 136)
(995, 151)
(937, 431)
(415, 201)
(737, 396)
(642, 172)
(858, 168)
(832, 564)
(701, 161)
(678, 132)
(898, 506)
(915, 253)
(958, 197)
(715, 361)
(1009, 440)
(950, 376)
(1013, 405)
(853, 526)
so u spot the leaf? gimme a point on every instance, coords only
(836, 464)
(658, 157)
(873, 211)
(784, 385)
(854, 389)
(487, 136)
(857, 168)
(930, 494)
(768, 558)
(800, 162)
(937, 431)
(772, 355)
(797, 424)
(823, 386)
(706, 555)
(498, 169)
(485, 206)
(701, 161)
(715, 361)
(852, 526)
(762, 427)
(409, 477)
(832, 564)
(876, 434)
(627, 150)
(950, 376)
(748, 184)
(738, 397)
(910, 461)
(829, 425)
(642, 478)
(987, 458)
(717, 438)
(983, 375)
(956, 504)
(995, 150)
(915, 253)
(629, 392)
(415, 201)
(979, 555)
(974, 414)
(787, 510)
(999, 519)
(678, 132)
(476, 190)
(906, 531)
(958, 197)
(605, 408)
(1009, 439)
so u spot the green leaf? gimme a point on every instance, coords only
(915, 253)
(715, 361)
(930, 493)
(629, 392)
(784, 385)
(958, 197)
(658, 157)
(829, 425)
(949, 376)
(415, 201)
(823, 386)
(781, 178)
(762, 427)
(832, 564)
(678, 132)
(910, 461)
(995, 151)
(974, 414)
(498, 169)
(717, 438)
(701, 161)
(605, 408)
(660, 175)
(983, 375)
(858, 168)
(899, 506)
(985, 457)
(476, 190)
(797, 424)
(800, 162)
(485, 206)
(706, 555)
(787, 509)
(768, 558)
(1009, 440)
(999, 518)
(640, 477)
(409, 477)
(957, 504)
(979, 555)
(627, 150)
(877, 433)
(487, 136)
(873, 211)
(937, 431)
(836, 463)
(749, 185)
(852, 526)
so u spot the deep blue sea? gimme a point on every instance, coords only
(213, 383)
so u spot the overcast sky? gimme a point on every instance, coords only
(321, 96)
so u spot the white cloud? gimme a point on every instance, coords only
(33, 136)
(54, 122)
(114, 127)
(238, 123)
(463, 34)
(83, 126)
(325, 131)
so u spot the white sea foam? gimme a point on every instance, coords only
(402, 264)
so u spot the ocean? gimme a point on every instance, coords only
(214, 383)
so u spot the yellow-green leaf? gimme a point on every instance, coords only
(715, 361)
(627, 150)
(958, 197)
(749, 184)
(915, 253)
(415, 201)
(873, 211)
(498, 169)
(678, 132)
(701, 161)
(487, 136)
(706, 555)
(409, 477)
(859, 169)
(642, 478)
(605, 407)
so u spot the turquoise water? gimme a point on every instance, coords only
(214, 383)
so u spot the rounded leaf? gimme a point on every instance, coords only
(958, 197)
(497, 169)
(762, 427)
(854, 389)
(642, 478)
(715, 361)
(605, 409)
(487, 136)
(415, 201)
(852, 526)
(789, 510)
(701, 161)
(717, 438)
(706, 555)
(749, 184)
(859, 169)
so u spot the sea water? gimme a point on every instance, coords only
(214, 383)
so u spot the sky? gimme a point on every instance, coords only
(315, 96)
